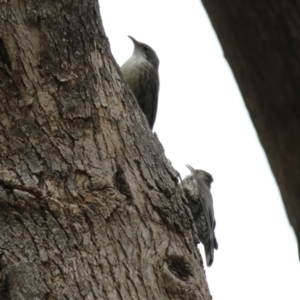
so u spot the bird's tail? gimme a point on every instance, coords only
(209, 254)
(209, 250)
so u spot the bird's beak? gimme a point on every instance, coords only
(190, 167)
(133, 39)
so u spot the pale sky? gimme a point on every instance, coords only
(202, 121)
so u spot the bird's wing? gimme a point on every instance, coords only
(207, 204)
(154, 91)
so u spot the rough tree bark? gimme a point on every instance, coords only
(90, 208)
(261, 41)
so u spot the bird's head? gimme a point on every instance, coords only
(202, 175)
(141, 49)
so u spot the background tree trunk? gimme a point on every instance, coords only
(90, 208)
(261, 42)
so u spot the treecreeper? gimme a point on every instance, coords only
(141, 73)
(196, 188)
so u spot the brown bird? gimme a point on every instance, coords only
(141, 73)
(196, 188)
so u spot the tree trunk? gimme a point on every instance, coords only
(261, 42)
(90, 208)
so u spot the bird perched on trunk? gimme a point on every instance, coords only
(141, 73)
(196, 188)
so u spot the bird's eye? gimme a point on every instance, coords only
(145, 48)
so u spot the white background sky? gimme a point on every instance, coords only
(202, 121)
